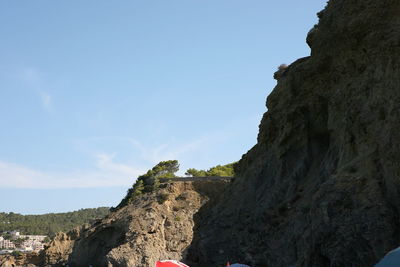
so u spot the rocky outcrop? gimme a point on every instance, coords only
(59, 249)
(23, 260)
(153, 227)
(7, 261)
(321, 187)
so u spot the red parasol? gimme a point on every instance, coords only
(170, 263)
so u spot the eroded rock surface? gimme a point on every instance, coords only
(24, 260)
(154, 227)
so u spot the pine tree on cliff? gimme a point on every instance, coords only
(138, 188)
(150, 181)
(227, 170)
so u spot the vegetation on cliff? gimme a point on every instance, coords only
(150, 181)
(51, 223)
(227, 170)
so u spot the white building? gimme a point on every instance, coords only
(38, 238)
(6, 244)
(32, 244)
(15, 234)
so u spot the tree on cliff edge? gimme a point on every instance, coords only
(150, 181)
(227, 170)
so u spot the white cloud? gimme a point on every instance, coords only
(108, 173)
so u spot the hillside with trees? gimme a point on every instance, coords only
(150, 181)
(51, 223)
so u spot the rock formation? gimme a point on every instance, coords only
(155, 226)
(59, 249)
(320, 187)
(23, 260)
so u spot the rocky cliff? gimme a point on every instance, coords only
(153, 227)
(320, 187)
(23, 260)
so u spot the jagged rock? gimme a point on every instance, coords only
(24, 260)
(280, 72)
(151, 228)
(7, 261)
(57, 252)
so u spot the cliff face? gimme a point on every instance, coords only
(321, 186)
(61, 246)
(155, 226)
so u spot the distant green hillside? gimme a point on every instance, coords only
(49, 224)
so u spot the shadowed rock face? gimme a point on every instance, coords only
(321, 186)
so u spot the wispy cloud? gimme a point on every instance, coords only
(35, 80)
(143, 151)
(108, 168)
(105, 162)
(168, 150)
(108, 173)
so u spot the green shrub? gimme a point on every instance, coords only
(227, 170)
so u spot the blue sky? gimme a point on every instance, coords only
(94, 93)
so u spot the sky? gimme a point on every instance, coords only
(94, 93)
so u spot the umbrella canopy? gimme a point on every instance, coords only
(238, 265)
(392, 259)
(170, 263)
